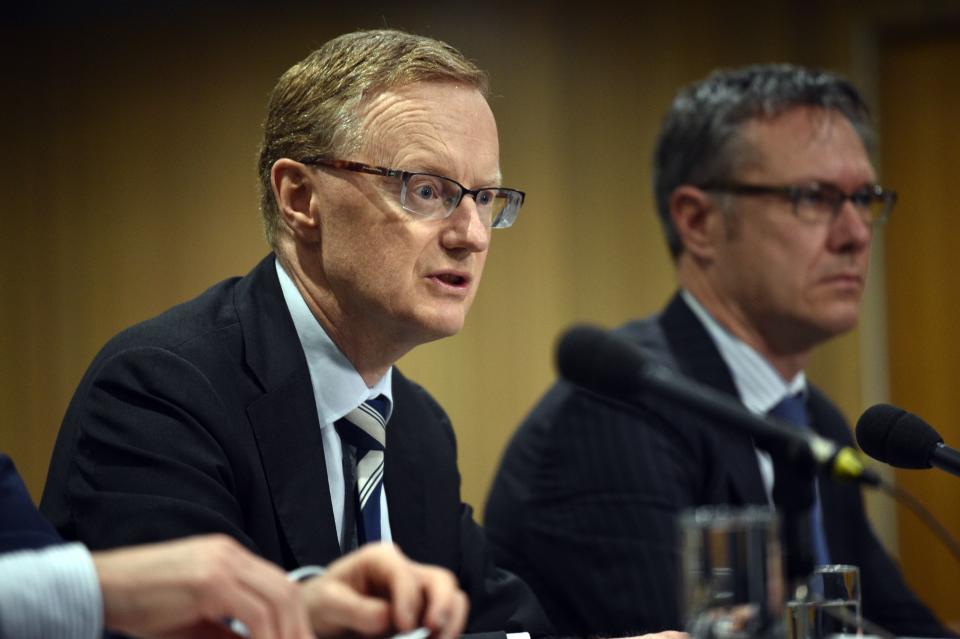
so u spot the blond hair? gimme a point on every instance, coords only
(313, 110)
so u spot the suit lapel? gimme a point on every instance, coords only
(697, 357)
(291, 449)
(284, 419)
(402, 477)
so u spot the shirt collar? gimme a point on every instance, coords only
(337, 386)
(758, 383)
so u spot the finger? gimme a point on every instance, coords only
(406, 595)
(446, 606)
(383, 571)
(239, 603)
(280, 597)
(336, 608)
(458, 617)
(227, 582)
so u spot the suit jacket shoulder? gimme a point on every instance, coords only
(169, 433)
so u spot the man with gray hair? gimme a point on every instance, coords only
(269, 408)
(769, 202)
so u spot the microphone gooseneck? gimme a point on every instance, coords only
(611, 366)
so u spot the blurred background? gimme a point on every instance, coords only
(130, 130)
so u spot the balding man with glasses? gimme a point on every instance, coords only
(269, 407)
(769, 203)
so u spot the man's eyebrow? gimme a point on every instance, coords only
(495, 180)
(424, 167)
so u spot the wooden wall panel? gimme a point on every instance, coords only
(920, 88)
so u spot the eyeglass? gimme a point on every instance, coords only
(435, 197)
(821, 202)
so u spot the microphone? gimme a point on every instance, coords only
(896, 437)
(609, 365)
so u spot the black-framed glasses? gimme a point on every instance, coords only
(820, 201)
(435, 197)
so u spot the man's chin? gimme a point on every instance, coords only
(438, 327)
(841, 320)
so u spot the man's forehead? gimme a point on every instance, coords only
(785, 139)
(802, 123)
(419, 99)
(432, 127)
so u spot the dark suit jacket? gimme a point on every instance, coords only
(203, 420)
(21, 525)
(585, 501)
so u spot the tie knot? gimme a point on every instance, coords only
(365, 426)
(792, 409)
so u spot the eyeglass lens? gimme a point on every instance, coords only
(434, 196)
(826, 201)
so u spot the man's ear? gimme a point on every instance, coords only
(696, 219)
(296, 196)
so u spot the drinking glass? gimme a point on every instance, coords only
(732, 579)
(832, 606)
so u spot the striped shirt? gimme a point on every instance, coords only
(49, 594)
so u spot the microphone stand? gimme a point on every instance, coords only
(794, 496)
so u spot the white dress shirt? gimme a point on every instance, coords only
(337, 389)
(758, 383)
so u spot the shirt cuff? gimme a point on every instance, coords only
(50, 593)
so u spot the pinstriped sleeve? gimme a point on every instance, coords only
(50, 594)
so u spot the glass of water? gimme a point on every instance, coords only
(732, 582)
(832, 606)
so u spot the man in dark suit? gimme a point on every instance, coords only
(258, 409)
(769, 201)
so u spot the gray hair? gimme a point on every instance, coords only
(699, 139)
(314, 107)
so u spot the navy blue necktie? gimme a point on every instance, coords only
(793, 410)
(364, 430)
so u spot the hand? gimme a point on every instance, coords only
(377, 591)
(187, 588)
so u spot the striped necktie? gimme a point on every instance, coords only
(793, 410)
(363, 433)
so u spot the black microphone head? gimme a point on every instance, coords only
(896, 437)
(599, 360)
